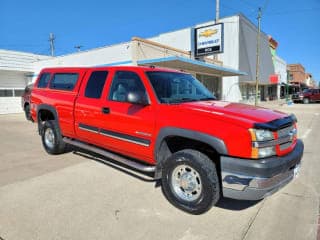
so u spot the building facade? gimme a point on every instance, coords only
(16, 71)
(296, 73)
(230, 72)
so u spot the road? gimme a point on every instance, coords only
(71, 196)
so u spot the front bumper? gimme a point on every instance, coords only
(257, 179)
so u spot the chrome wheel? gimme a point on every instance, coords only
(49, 138)
(186, 183)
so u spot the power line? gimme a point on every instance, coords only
(269, 13)
(265, 5)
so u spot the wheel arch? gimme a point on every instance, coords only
(171, 139)
(44, 113)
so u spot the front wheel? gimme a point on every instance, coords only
(190, 181)
(306, 100)
(52, 139)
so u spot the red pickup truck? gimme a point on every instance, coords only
(167, 123)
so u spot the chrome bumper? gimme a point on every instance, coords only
(254, 188)
(259, 180)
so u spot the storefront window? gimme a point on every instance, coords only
(6, 92)
(212, 83)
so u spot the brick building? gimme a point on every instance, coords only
(297, 73)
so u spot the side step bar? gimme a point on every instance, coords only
(113, 156)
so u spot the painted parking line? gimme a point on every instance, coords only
(306, 134)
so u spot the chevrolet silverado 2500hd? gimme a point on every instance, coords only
(167, 123)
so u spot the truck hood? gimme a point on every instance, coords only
(238, 111)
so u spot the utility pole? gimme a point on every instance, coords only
(258, 56)
(217, 11)
(51, 40)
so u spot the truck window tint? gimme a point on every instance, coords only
(95, 84)
(123, 83)
(44, 79)
(64, 81)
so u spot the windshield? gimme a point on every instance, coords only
(306, 90)
(173, 87)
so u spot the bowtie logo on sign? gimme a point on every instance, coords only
(208, 32)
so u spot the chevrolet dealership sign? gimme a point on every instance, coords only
(209, 40)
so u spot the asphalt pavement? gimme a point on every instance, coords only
(75, 196)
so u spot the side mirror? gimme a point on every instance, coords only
(138, 98)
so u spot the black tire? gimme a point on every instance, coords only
(27, 112)
(203, 180)
(306, 100)
(52, 139)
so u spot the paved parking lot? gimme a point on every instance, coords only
(74, 197)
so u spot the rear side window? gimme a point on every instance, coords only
(64, 81)
(43, 81)
(95, 84)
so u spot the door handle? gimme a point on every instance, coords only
(105, 110)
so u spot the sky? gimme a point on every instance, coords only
(26, 25)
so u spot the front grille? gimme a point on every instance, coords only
(285, 146)
(288, 134)
(284, 132)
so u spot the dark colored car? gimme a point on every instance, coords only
(307, 96)
(25, 101)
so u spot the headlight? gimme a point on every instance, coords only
(266, 152)
(261, 135)
(262, 143)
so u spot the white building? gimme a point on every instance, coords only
(222, 72)
(16, 71)
(280, 68)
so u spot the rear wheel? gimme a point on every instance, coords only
(27, 112)
(306, 100)
(52, 139)
(190, 181)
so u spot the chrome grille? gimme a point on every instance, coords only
(286, 133)
(285, 145)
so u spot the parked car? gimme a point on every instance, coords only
(25, 101)
(307, 96)
(167, 123)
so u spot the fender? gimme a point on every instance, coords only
(214, 142)
(49, 108)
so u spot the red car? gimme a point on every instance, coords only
(25, 101)
(307, 96)
(167, 123)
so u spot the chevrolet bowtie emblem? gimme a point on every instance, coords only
(208, 33)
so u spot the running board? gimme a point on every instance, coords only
(113, 156)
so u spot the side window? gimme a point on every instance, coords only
(43, 81)
(64, 81)
(123, 83)
(95, 84)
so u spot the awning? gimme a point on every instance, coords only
(196, 66)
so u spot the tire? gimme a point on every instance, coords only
(27, 112)
(306, 100)
(52, 139)
(190, 181)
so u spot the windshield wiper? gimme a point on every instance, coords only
(183, 100)
(207, 99)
